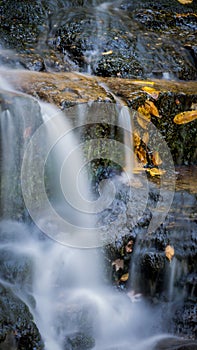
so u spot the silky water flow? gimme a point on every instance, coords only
(63, 285)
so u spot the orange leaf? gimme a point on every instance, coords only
(185, 117)
(156, 172)
(141, 154)
(184, 2)
(136, 139)
(149, 105)
(124, 277)
(169, 251)
(151, 91)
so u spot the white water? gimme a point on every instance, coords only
(70, 296)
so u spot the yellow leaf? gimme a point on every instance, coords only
(156, 158)
(156, 172)
(184, 2)
(149, 105)
(145, 137)
(107, 52)
(124, 277)
(144, 110)
(142, 82)
(151, 91)
(169, 251)
(185, 117)
(141, 154)
(136, 139)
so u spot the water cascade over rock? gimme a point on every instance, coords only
(98, 223)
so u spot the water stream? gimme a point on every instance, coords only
(49, 225)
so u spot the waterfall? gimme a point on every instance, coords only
(65, 292)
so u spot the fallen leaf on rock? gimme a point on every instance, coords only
(156, 158)
(142, 82)
(185, 2)
(124, 277)
(118, 263)
(136, 139)
(141, 154)
(149, 105)
(185, 117)
(144, 110)
(143, 120)
(107, 52)
(169, 251)
(145, 137)
(156, 171)
(151, 91)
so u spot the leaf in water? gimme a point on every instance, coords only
(185, 2)
(169, 251)
(107, 52)
(124, 277)
(151, 91)
(156, 171)
(118, 263)
(149, 105)
(145, 137)
(185, 117)
(156, 158)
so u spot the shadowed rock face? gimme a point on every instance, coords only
(140, 39)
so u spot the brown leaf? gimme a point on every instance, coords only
(156, 158)
(118, 263)
(124, 277)
(149, 105)
(169, 251)
(185, 117)
(145, 137)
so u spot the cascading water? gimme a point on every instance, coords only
(65, 291)
(61, 282)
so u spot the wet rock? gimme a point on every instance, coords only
(176, 344)
(17, 329)
(125, 51)
(79, 341)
